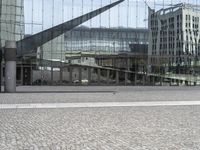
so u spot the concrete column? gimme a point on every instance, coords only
(128, 64)
(10, 67)
(171, 81)
(186, 83)
(177, 82)
(22, 75)
(135, 79)
(108, 76)
(89, 75)
(51, 75)
(70, 74)
(99, 75)
(61, 74)
(153, 80)
(117, 77)
(161, 81)
(143, 79)
(126, 78)
(80, 74)
(1, 72)
(31, 74)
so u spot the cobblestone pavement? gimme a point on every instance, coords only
(128, 128)
(113, 128)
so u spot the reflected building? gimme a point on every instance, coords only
(174, 41)
(94, 40)
(108, 40)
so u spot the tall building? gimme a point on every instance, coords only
(174, 39)
(11, 20)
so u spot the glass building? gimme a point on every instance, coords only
(94, 40)
(109, 40)
(11, 20)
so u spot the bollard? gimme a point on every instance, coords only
(10, 67)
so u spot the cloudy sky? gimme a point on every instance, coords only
(42, 14)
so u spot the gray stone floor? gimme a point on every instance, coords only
(100, 94)
(114, 128)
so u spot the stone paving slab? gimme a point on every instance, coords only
(119, 94)
(128, 128)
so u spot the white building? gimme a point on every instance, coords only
(174, 37)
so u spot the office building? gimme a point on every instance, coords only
(174, 40)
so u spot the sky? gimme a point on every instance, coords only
(43, 14)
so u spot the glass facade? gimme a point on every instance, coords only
(11, 20)
(94, 40)
(109, 40)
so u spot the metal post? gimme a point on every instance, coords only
(1, 53)
(10, 67)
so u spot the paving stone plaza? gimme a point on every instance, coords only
(100, 128)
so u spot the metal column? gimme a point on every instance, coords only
(10, 67)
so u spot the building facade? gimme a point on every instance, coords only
(11, 20)
(94, 40)
(174, 39)
(110, 40)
